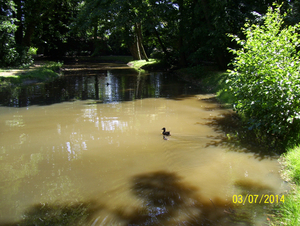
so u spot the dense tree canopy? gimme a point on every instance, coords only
(8, 53)
(182, 32)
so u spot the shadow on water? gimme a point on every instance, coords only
(165, 200)
(58, 214)
(103, 83)
(235, 136)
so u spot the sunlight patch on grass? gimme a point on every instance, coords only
(45, 72)
(138, 64)
(12, 72)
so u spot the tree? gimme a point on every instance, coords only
(265, 79)
(8, 53)
(53, 32)
(183, 33)
(129, 19)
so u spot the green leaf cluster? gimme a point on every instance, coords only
(8, 53)
(265, 77)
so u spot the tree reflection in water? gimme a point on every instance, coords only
(166, 200)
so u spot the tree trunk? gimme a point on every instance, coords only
(137, 42)
(138, 28)
(136, 48)
(28, 34)
(134, 51)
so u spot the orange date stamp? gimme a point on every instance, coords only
(259, 199)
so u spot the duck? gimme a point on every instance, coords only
(166, 133)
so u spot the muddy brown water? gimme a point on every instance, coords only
(87, 149)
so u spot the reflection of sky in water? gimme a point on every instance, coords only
(75, 149)
(109, 86)
(112, 123)
(111, 90)
(107, 123)
(155, 81)
(90, 113)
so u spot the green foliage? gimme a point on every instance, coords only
(32, 51)
(54, 66)
(46, 72)
(11, 54)
(8, 53)
(265, 79)
(24, 59)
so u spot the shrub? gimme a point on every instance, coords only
(265, 78)
(32, 50)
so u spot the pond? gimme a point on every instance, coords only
(87, 149)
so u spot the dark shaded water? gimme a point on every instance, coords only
(109, 83)
(86, 149)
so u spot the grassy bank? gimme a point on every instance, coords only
(288, 213)
(151, 65)
(38, 73)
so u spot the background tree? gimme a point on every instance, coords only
(8, 53)
(182, 33)
(53, 33)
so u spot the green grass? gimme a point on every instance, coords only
(288, 213)
(142, 65)
(292, 158)
(45, 72)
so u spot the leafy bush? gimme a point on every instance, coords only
(54, 66)
(32, 50)
(8, 52)
(24, 59)
(11, 54)
(265, 78)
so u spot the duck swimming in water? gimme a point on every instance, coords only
(166, 133)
